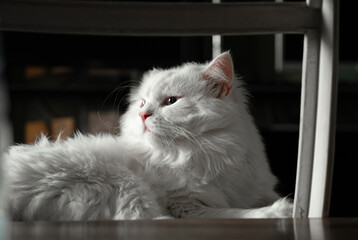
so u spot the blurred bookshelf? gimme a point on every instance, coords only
(83, 78)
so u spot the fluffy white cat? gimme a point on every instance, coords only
(189, 148)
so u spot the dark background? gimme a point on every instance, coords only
(274, 103)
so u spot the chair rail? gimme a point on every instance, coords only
(156, 19)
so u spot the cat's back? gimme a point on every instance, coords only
(81, 148)
(50, 174)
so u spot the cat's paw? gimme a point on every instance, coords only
(282, 208)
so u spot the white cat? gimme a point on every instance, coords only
(189, 148)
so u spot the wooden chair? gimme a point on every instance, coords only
(316, 19)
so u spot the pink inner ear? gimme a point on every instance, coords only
(220, 71)
(224, 64)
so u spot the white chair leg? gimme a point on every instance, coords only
(326, 112)
(307, 123)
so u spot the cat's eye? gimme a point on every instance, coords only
(171, 100)
(142, 103)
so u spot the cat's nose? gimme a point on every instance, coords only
(144, 115)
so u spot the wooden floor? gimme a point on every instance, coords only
(331, 228)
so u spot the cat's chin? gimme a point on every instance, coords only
(150, 136)
(154, 139)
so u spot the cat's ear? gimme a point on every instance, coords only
(219, 75)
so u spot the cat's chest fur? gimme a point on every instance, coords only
(218, 173)
(194, 179)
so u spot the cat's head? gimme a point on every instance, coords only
(176, 106)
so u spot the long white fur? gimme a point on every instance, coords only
(200, 157)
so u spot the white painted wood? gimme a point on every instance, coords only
(216, 39)
(310, 66)
(326, 111)
(278, 49)
(278, 52)
(216, 46)
(307, 123)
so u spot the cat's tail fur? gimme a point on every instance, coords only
(63, 181)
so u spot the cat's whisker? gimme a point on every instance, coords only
(118, 90)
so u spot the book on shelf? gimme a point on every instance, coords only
(33, 72)
(34, 130)
(56, 128)
(62, 127)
